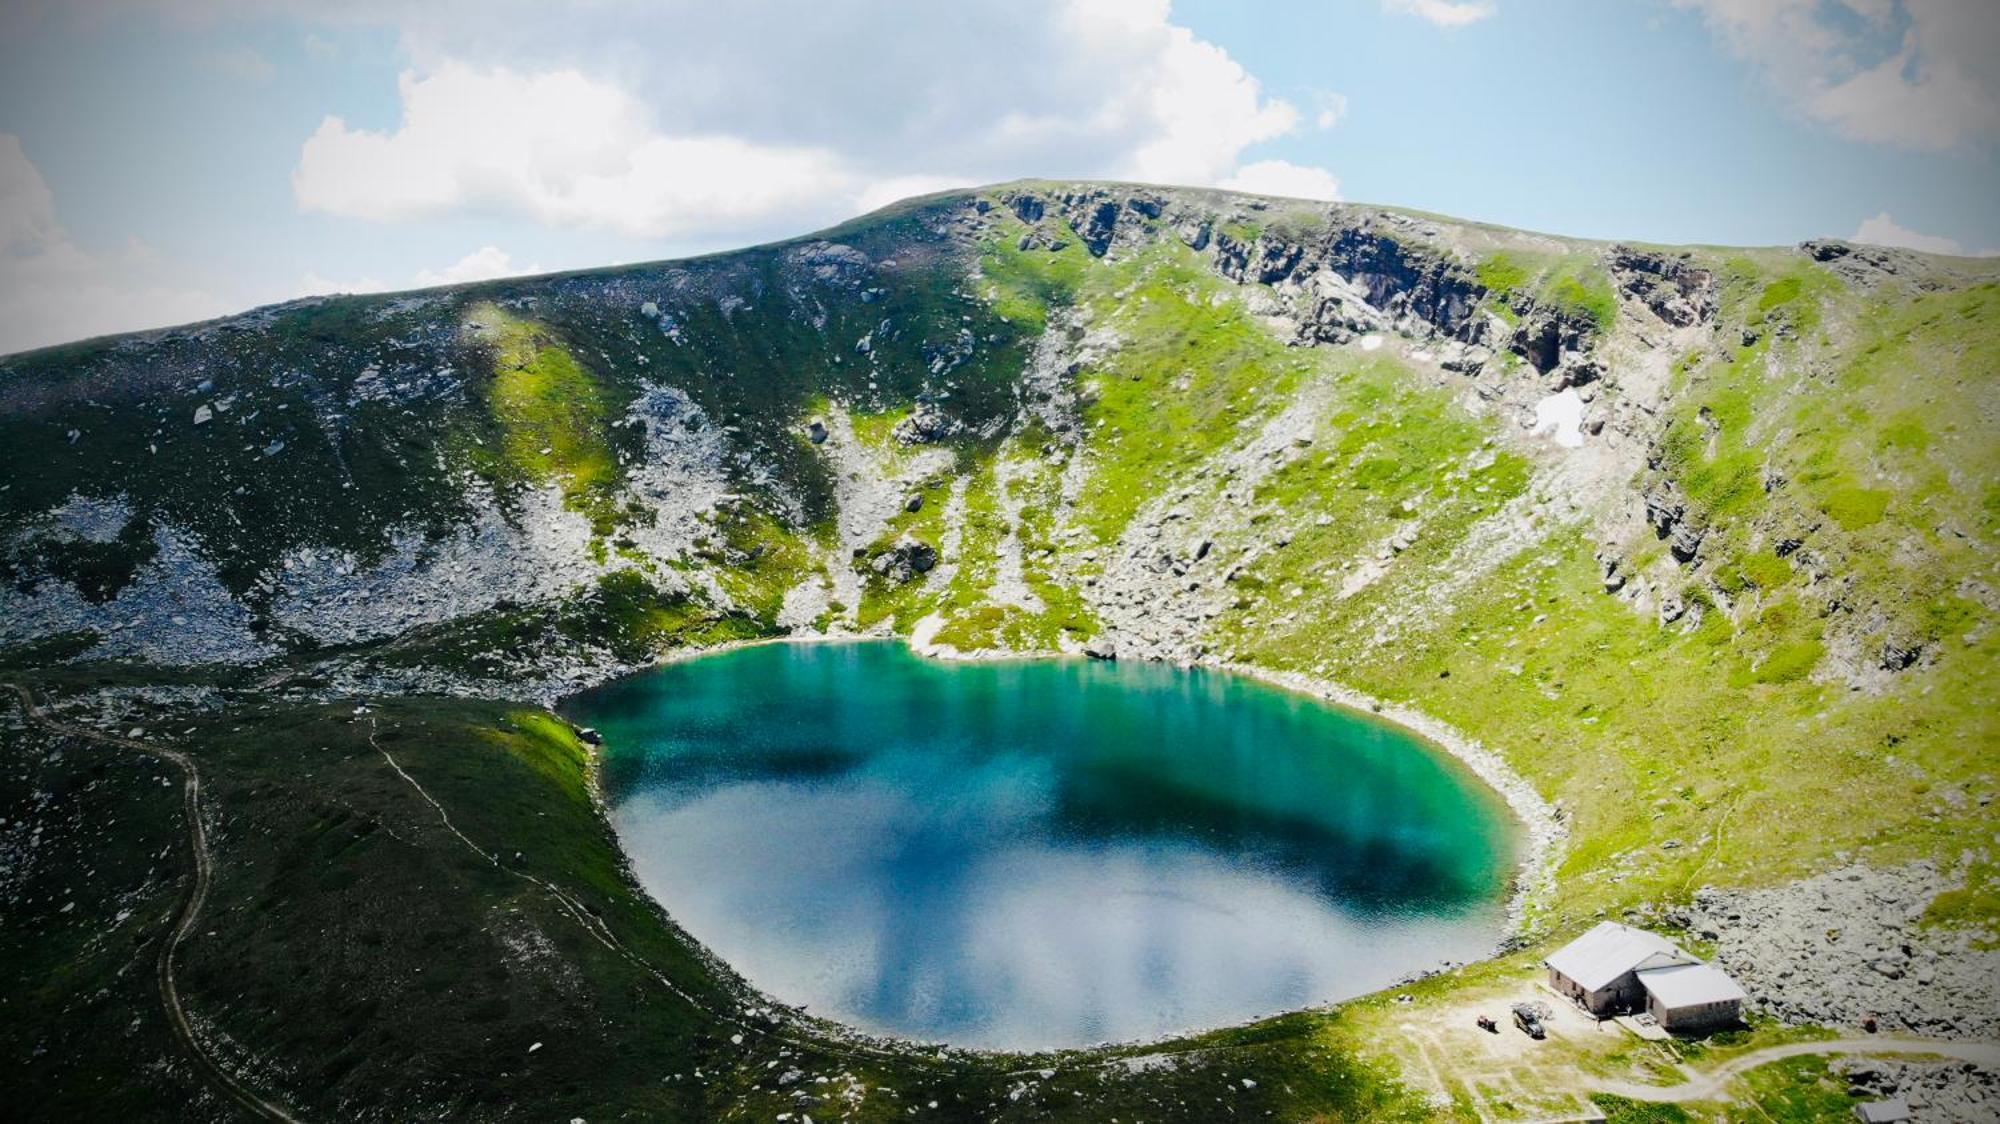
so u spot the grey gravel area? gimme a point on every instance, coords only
(1955, 1092)
(1840, 947)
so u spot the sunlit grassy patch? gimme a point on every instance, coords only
(551, 414)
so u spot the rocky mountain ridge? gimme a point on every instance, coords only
(1366, 271)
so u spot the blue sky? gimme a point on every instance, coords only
(161, 162)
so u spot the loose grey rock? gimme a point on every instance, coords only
(1838, 948)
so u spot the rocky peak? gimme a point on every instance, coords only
(1676, 291)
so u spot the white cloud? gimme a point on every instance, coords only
(27, 209)
(52, 290)
(1188, 108)
(1445, 13)
(483, 264)
(244, 63)
(881, 193)
(685, 124)
(1885, 231)
(557, 147)
(1282, 177)
(1332, 109)
(675, 120)
(1922, 75)
(314, 284)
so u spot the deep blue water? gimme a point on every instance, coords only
(1033, 854)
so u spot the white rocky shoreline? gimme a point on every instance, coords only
(1545, 833)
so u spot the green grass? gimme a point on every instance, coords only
(362, 959)
(1588, 292)
(1062, 613)
(876, 430)
(1785, 295)
(1758, 569)
(971, 623)
(1849, 444)
(551, 416)
(1623, 1110)
(1502, 272)
(1795, 1089)
(757, 558)
(902, 604)
(1240, 230)
(1199, 371)
(1027, 285)
(1572, 283)
(79, 1013)
(1855, 508)
(1974, 906)
(1780, 292)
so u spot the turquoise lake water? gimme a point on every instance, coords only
(1041, 853)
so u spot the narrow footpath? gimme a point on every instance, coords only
(204, 875)
(1713, 1084)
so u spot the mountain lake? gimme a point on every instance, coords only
(1042, 853)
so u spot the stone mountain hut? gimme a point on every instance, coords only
(1615, 969)
(1692, 997)
(1600, 969)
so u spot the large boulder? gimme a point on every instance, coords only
(905, 560)
(927, 423)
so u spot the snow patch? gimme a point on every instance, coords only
(1561, 414)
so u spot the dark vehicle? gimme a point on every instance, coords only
(1487, 1024)
(1529, 1020)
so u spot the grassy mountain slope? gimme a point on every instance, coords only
(1697, 541)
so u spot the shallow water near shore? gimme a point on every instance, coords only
(1042, 853)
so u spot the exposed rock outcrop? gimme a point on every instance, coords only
(1960, 1092)
(1347, 271)
(1356, 276)
(1863, 265)
(1667, 510)
(1670, 285)
(928, 423)
(1549, 334)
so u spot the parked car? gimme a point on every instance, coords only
(1529, 1020)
